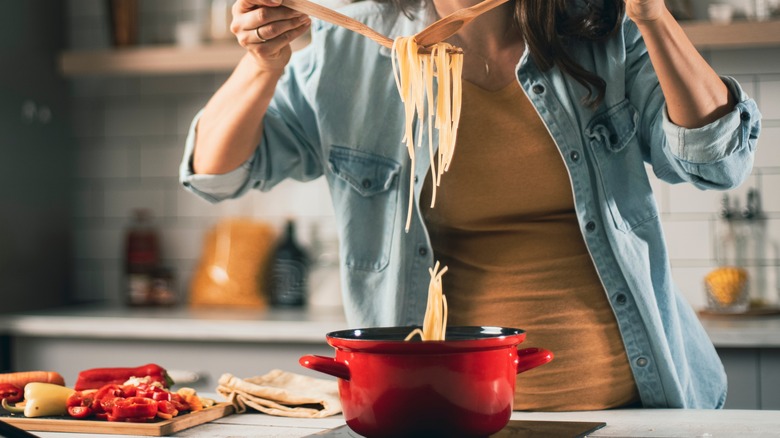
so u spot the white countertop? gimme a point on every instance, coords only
(273, 325)
(620, 423)
(743, 331)
(235, 325)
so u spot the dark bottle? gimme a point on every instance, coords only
(288, 272)
(142, 258)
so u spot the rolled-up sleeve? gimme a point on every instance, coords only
(213, 188)
(720, 154)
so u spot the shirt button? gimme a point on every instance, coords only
(574, 155)
(538, 89)
(745, 116)
(423, 251)
(590, 226)
(641, 361)
(366, 183)
(621, 299)
(415, 178)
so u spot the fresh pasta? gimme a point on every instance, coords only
(437, 108)
(435, 322)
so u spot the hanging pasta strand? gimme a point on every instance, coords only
(414, 76)
(428, 67)
(457, 97)
(434, 325)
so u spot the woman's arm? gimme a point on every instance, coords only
(694, 94)
(231, 125)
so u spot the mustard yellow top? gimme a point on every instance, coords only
(504, 223)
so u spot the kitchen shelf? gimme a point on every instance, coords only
(223, 57)
(738, 34)
(154, 60)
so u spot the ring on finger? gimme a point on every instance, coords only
(257, 32)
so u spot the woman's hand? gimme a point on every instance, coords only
(645, 10)
(266, 30)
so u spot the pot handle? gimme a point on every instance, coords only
(530, 358)
(327, 365)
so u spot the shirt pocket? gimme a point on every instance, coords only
(620, 166)
(365, 197)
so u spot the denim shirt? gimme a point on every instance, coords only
(337, 114)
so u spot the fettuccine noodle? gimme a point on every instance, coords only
(435, 322)
(414, 75)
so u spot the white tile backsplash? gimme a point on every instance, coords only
(182, 242)
(770, 196)
(137, 118)
(770, 99)
(191, 206)
(102, 161)
(178, 86)
(690, 282)
(98, 242)
(87, 202)
(131, 134)
(689, 240)
(120, 203)
(685, 198)
(768, 151)
(750, 61)
(160, 160)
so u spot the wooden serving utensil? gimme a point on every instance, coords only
(333, 17)
(445, 27)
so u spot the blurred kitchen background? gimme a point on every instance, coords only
(94, 128)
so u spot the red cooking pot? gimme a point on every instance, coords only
(463, 386)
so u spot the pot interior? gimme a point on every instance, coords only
(457, 338)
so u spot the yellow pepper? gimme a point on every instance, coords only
(41, 400)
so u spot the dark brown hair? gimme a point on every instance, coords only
(550, 26)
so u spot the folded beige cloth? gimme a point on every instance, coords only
(283, 394)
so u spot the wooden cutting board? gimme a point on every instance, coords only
(157, 428)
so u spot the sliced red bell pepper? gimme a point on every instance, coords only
(166, 410)
(179, 403)
(134, 408)
(152, 391)
(166, 407)
(79, 398)
(10, 392)
(79, 411)
(110, 391)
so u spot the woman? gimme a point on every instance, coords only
(545, 219)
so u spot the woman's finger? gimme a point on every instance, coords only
(278, 34)
(275, 29)
(242, 6)
(261, 17)
(251, 15)
(274, 53)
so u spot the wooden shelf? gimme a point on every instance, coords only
(738, 34)
(223, 57)
(152, 60)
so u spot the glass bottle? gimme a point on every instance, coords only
(141, 259)
(289, 271)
